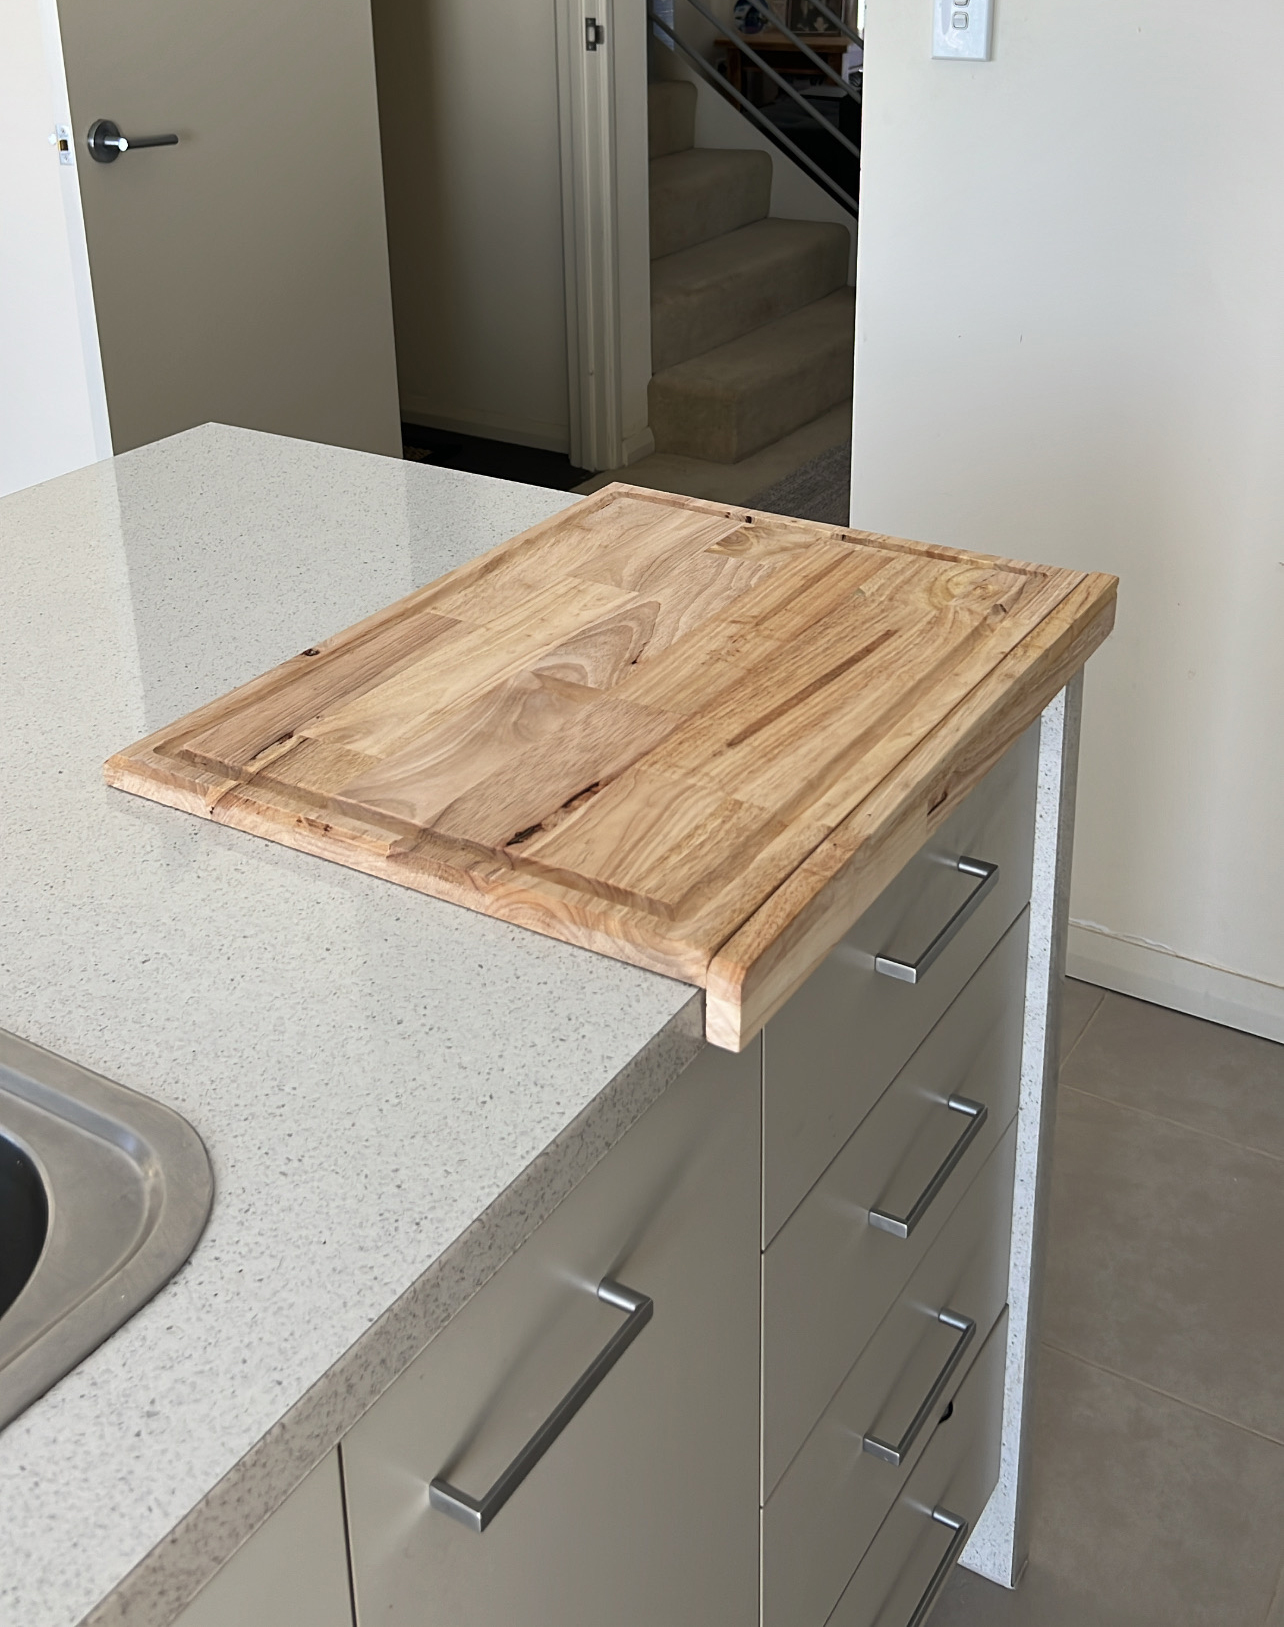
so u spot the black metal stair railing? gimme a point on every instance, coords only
(834, 161)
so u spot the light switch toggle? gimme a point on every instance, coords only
(961, 30)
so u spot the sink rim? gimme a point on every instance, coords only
(63, 1326)
(29, 1170)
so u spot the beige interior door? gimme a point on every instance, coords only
(242, 275)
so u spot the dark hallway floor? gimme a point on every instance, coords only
(503, 460)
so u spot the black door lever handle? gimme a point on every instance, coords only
(106, 142)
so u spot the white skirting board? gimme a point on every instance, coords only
(1165, 978)
(998, 1546)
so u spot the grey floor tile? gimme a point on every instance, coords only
(1199, 1073)
(1166, 1259)
(1079, 1001)
(1145, 1513)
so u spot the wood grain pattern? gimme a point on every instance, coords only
(691, 736)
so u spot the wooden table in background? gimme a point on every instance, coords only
(776, 49)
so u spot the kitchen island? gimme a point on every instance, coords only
(395, 1093)
(371, 1071)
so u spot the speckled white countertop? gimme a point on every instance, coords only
(393, 1091)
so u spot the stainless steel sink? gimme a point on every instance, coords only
(103, 1194)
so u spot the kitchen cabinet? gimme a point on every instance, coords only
(828, 1506)
(293, 1569)
(753, 1367)
(882, 1101)
(891, 1085)
(644, 1508)
(833, 1273)
(929, 1524)
(839, 1042)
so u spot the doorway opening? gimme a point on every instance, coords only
(624, 248)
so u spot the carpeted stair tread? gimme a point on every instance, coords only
(741, 396)
(716, 291)
(704, 192)
(671, 110)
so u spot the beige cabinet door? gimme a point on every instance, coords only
(643, 1510)
(294, 1569)
(242, 275)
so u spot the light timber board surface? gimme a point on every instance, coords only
(692, 736)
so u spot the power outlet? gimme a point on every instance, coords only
(961, 30)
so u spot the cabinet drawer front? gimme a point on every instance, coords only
(915, 1549)
(833, 1049)
(661, 1458)
(830, 1277)
(834, 1495)
(293, 1569)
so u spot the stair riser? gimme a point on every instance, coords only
(686, 323)
(671, 110)
(724, 428)
(691, 203)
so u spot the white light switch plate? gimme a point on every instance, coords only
(961, 30)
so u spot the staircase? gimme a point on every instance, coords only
(751, 319)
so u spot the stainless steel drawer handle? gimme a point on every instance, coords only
(976, 1114)
(477, 1512)
(906, 971)
(897, 1454)
(961, 1529)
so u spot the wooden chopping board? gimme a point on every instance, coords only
(694, 737)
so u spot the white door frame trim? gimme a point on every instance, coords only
(603, 137)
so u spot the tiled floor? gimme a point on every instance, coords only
(1158, 1491)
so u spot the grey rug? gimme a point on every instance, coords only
(820, 490)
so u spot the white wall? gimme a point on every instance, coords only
(53, 412)
(468, 110)
(1070, 347)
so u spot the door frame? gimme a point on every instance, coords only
(602, 110)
